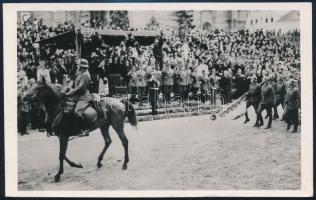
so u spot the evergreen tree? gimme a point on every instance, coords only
(185, 18)
(185, 21)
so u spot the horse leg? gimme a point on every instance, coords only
(120, 131)
(107, 141)
(73, 164)
(63, 143)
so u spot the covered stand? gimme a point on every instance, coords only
(65, 40)
(114, 37)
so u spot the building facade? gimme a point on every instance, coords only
(276, 20)
(231, 20)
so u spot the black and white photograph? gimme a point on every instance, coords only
(160, 99)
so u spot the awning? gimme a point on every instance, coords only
(114, 37)
(66, 39)
(123, 33)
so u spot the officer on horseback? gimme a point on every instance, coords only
(81, 92)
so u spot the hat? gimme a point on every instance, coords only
(83, 63)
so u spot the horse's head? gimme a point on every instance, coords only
(42, 90)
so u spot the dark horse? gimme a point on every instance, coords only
(66, 125)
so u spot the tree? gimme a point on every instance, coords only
(185, 21)
(119, 19)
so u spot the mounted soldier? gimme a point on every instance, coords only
(83, 98)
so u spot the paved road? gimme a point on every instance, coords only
(174, 154)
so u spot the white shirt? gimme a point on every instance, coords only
(43, 73)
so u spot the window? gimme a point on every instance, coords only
(271, 19)
(267, 20)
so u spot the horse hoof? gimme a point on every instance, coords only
(57, 179)
(124, 167)
(99, 165)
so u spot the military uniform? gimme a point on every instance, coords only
(142, 82)
(133, 85)
(205, 86)
(267, 102)
(168, 81)
(253, 99)
(81, 92)
(196, 84)
(292, 104)
(280, 91)
(214, 86)
(23, 110)
(153, 95)
(183, 82)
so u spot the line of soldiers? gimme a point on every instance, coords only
(269, 95)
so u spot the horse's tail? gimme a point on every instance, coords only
(130, 112)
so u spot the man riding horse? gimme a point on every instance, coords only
(65, 123)
(82, 96)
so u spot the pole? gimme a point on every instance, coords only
(77, 28)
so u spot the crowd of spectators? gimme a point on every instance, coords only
(204, 64)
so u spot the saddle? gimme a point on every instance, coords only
(93, 111)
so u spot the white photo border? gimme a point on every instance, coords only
(10, 100)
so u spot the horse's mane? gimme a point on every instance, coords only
(54, 90)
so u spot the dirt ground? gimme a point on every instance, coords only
(174, 154)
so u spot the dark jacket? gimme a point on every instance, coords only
(153, 89)
(280, 90)
(254, 93)
(292, 99)
(267, 95)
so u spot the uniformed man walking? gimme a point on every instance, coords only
(292, 104)
(253, 98)
(267, 102)
(280, 91)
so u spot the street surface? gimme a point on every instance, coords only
(174, 154)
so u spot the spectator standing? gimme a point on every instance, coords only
(43, 71)
(205, 86)
(196, 84)
(142, 82)
(133, 84)
(168, 81)
(153, 94)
